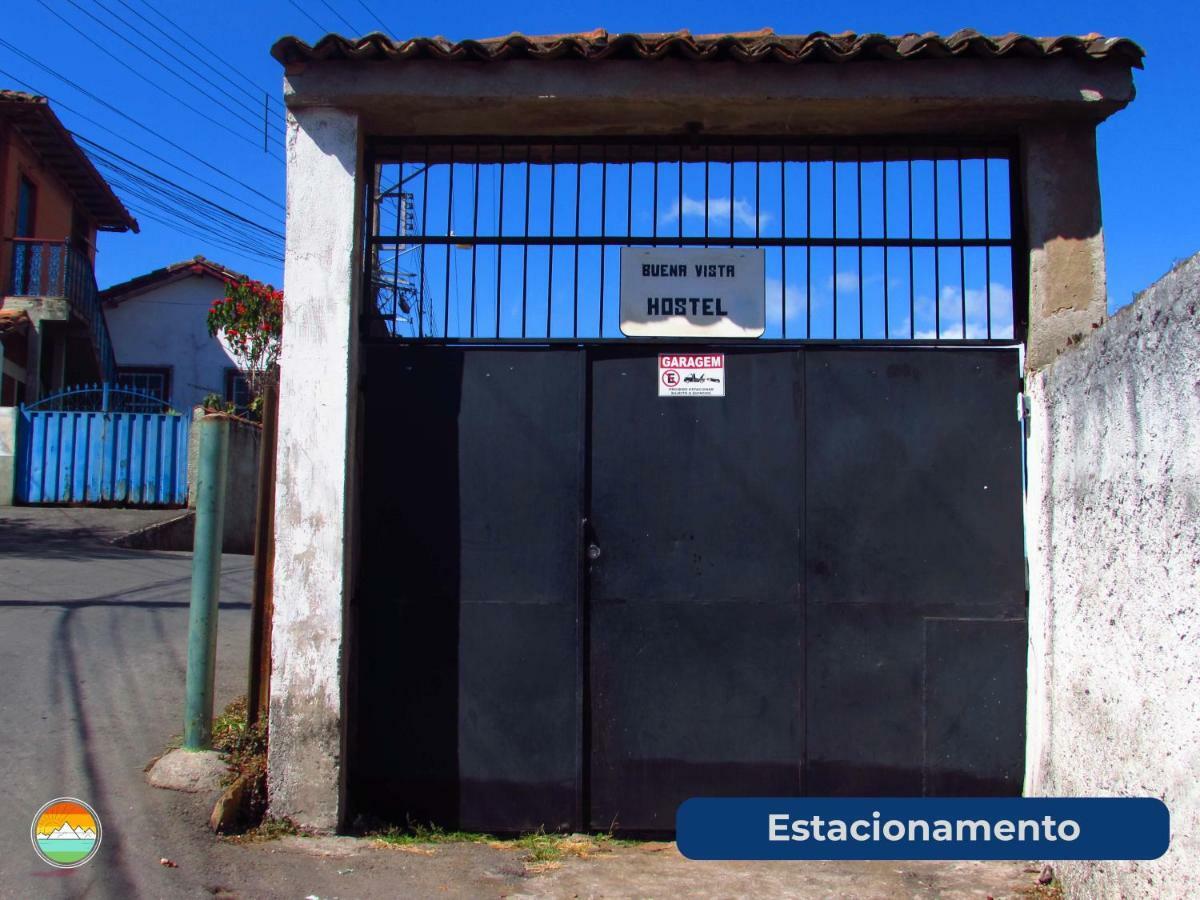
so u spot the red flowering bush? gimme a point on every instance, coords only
(249, 318)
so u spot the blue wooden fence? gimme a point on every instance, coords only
(102, 455)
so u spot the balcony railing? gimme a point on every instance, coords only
(54, 269)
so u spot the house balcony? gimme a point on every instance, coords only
(54, 282)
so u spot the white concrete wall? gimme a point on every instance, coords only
(241, 480)
(1114, 617)
(315, 475)
(8, 453)
(167, 326)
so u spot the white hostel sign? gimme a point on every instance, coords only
(692, 292)
(691, 374)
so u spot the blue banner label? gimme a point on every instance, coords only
(923, 828)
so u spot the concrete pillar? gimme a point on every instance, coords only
(315, 472)
(1068, 294)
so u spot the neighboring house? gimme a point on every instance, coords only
(159, 327)
(52, 204)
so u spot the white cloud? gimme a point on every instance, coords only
(718, 211)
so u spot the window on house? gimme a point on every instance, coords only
(26, 207)
(152, 380)
(237, 390)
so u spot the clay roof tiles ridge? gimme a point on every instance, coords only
(748, 47)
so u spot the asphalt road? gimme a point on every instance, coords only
(92, 659)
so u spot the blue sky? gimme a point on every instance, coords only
(1149, 179)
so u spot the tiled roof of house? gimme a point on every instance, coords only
(197, 265)
(747, 47)
(30, 116)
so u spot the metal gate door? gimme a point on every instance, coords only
(580, 604)
(468, 703)
(98, 444)
(696, 597)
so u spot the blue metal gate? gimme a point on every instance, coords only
(105, 445)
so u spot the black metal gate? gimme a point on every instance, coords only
(580, 604)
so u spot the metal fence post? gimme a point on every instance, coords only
(206, 581)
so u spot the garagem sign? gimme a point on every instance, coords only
(692, 292)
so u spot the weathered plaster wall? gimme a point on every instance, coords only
(315, 468)
(1067, 284)
(167, 326)
(241, 481)
(1114, 618)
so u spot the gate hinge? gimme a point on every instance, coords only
(1024, 408)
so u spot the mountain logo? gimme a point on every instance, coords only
(66, 833)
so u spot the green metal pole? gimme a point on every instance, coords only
(206, 580)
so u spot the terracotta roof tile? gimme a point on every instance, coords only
(749, 47)
(197, 265)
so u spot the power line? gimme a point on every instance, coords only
(139, 147)
(196, 233)
(253, 92)
(371, 13)
(306, 15)
(238, 100)
(191, 212)
(105, 151)
(338, 15)
(140, 75)
(132, 120)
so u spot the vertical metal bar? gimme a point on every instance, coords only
(525, 245)
(474, 236)
(550, 267)
(912, 290)
(603, 228)
(962, 250)
(833, 165)
(782, 233)
(1018, 247)
(654, 213)
(887, 328)
(500, 245)
(629, 198)
(858, 198)
(707, 160)
(424, 220)
(578, 196)
(987, 237)
(937, 252)
(377, 203)
(449, 245)
(681, 192)
(732, 167)
(808, 236)
(758, 191)
(258, 687)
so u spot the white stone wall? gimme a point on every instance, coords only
(315, 474)
(168, 326)
(1114, 618)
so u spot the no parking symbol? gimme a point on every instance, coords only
(691, 375)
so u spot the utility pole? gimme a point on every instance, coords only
(206, 580)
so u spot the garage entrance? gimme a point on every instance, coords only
(580, 603)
